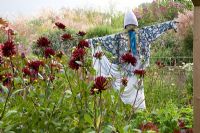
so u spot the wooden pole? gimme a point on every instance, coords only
(196, 72)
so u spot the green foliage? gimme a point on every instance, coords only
(171, 45)
(188, 43)
(2, 37)
(166, 118)
(188, 3)
(100, 31)
(117, 20)
(159, 11)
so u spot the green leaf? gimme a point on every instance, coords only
(10, 112)
(17, 91)
(1, 123)
(88, 119)
(8, 128)
(109, 129)
(98, 121)
(137, 131)
(127, 128)
(4, 88)
(17, 80)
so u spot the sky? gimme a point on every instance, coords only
(12, 8)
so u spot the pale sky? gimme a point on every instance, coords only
(12, 8)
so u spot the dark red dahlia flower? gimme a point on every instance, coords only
(43, 42)
(81, 33)
(100, 83)
(7, 79)
(98, 55)
(35, 65)
(26, 71)
(33, 79)
(48, 52)
(83, 44)
(160, 64)
(149, 126)
(60, 25)
(124, 81)
(189, 130)
(1, 60)
(1, 46)
(34, 74)
(73, 65)
(141, 73)
(94, 90)
(8, 49)
(51, 77)
(11, 32)
(181, 124)
(55, 66)
(23, 55)
(128, 58)
(78, 53)
(66, 37)
(1, 77)
(59, 54)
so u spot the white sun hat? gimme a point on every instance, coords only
(130, 18)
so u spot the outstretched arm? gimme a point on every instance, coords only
(151, 33)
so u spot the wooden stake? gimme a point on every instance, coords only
(196, 72)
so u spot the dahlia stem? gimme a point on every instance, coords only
(95, 113)
(79, 89)
(70, 86)
(100, 106)
(7, 99)
(9, 91)
(85, 94)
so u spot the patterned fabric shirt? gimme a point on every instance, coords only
(117, 44)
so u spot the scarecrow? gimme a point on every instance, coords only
(131, 53)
